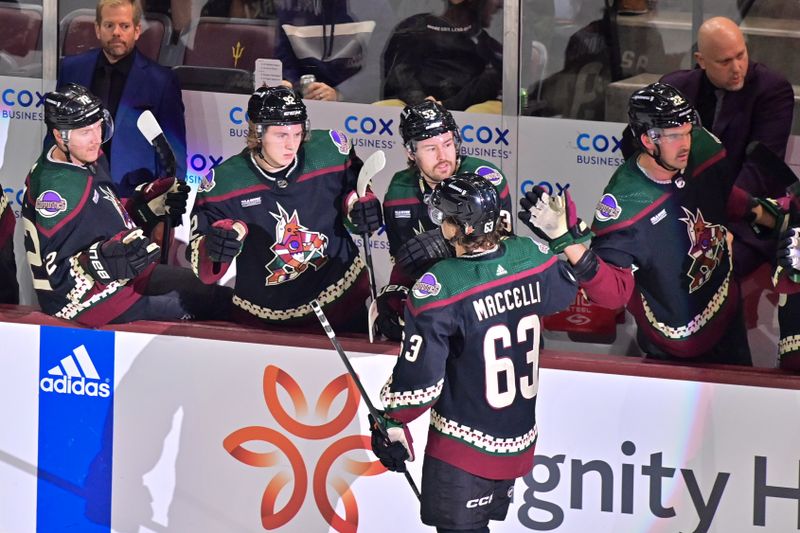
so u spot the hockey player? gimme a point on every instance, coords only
(470, 354)
(9, 288)
(89, 259)
(662, 244)
(432, 142)
(282, 207)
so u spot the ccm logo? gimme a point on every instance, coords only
(480, 502)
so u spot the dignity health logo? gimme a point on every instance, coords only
(75, 374)
(288, 466)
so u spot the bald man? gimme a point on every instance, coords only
(741, 101)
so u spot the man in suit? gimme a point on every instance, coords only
(129, 83)
(741, 101)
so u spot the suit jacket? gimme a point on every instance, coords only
(148, 86)
(760, 111)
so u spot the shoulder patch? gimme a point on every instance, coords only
(426, 286)
(608, 208)
(341, 141)
(491, 174)
(50, 204)
(207, 182)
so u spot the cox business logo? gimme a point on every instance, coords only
(202, 163)
(20, 104)
(551, 187)
(599, 149)
(75, 374)
(14, 195)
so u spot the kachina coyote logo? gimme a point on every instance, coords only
(708, 244)
(295, 249)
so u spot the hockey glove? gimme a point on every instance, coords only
(366, 215)
(391, 442)
(788, 255)
(390, 301)
(553, 218)
(123, 256)
(225, 240)
(784, 212)
(421, 251)
(163, 197)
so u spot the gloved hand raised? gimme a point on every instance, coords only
(421, 251)
(395, 447)
(225, 239)
(123, 256)
(366, 215)
(553, 219)
(162, 197)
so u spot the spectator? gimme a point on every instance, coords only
(474, 364)
(129, 83)
(282, 207)
(662, 245)
(741, 101)
(89, 258)
(432, 142)
(449, 58)
(9, 288)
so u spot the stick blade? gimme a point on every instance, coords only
(372, 166)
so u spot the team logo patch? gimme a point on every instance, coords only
(607, 208)
(50, 204)
(492, 175)
(341, 141)
(708, 245)
(296, 248)
(426, 286)
(206, 182)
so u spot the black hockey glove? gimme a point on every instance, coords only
(393, 448)
(420, 252)
(788, 254)
(123, 256)
(162, 197)
(391, 302)
(553, 219)
(225, 239)
(366, 215)
(784, 212)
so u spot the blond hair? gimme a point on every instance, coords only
(137, 9)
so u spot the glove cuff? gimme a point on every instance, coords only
(577, 234)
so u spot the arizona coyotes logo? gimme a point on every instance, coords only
(295, 249)
(708, 244)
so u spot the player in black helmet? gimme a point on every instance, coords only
(432, 141)
(90, 259)
(470, 354)
(283, 207)
(662, 244)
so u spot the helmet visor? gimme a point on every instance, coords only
(103, 128)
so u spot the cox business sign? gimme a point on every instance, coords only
(21, 104)
(598, 149)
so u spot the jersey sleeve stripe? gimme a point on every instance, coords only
(482, 287)
(233, 194)
(402, 201)
(633, 220)
(709, 162)
(325, 170)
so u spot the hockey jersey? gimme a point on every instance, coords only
(471, 352)
(297, 248)
(67, 208)
(675, 238)
(404, 208)
(9, 289)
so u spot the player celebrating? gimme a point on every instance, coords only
(662, 245)
(89, 259)
(281, 207)
(470, 354)
(9, 288)
(432, 143)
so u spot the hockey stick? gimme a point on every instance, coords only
(371, 408)
(149, 127)
(770, 162)
(372, 166)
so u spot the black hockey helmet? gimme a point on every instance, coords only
(425, 120)
(470, 200)
(659, 106)
(73, 106)
(276, 106)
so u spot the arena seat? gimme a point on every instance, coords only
(230, 42)
(77, 33)
(20, 39)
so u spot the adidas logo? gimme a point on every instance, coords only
(75, 374)
(501, 271)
